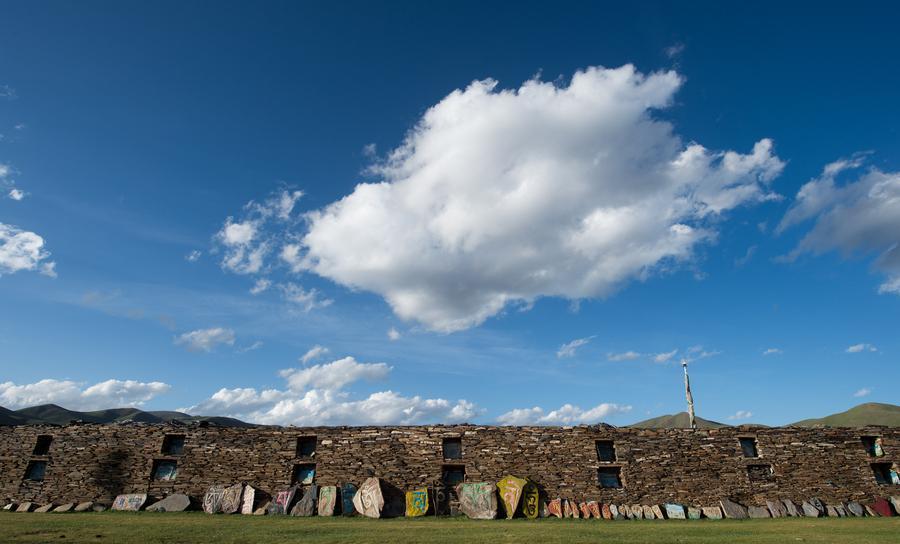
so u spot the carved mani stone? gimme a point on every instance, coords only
(530, 500)
(693, 512)
(585, 510)
(510, 489)
(68, 507)
(648, 512)
(368, 500)
(281, 503)
(84, 506)
(856, 509)
(605, 511)
(791, 508)
(777, 509)
(657, 512)
(29, 506)
(130, 502)
(327, 500)
(417, 502)
(637, 511)
(674, 511)
(614, 512)
(733, 510)
(348, 491)
(817, 504)
(895, 500)
(625, 510)
(554, 508)
(477, 500)
(883, 508)
(758, 512)
(306, 506)
(594, 508)
(44, 509)
(212, 500)
(712, 512)
(249, 500)
(231, 499)
(809, 510)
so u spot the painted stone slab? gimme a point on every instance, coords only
(817, 504)
(883, 508)
(44, 509)
(510, 489)
(348, 491)
(368, 500)
(693, 512)
(417, 502)
(585, 510)
(856, 509)
(231, 499)
(733, 510)
(657, 511)
(605, 512)
(870, 511)
(712, 512)
(68, 507)
(327, 500)
(626, 510)
(637, 511)
(173, 503)
(572, 506)
(281, 503)
(212, 500)
(25, 507)
(477, 500)
(614, 511)
(554, 508)
(131, 502)
(674, 511)
(777, 509)
(648, 512)
(249, 500)
(841, 510)
(831, 512)
(530, 500)
(594, 507)
(758, 512)
(84, 506)
(809, 510)
(306, 506)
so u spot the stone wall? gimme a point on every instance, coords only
(98, 462)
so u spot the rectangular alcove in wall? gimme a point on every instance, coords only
(35, 471)
(760, 473)
(453, 474)
(452, 448)
(606, 451)
(164, 470)
(173, 444)
(303, 474)
(882, 473)
(42, 445)
(872, 444)
(749, 448)
(306, 446)
(609, 477)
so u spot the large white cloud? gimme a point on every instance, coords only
(855, 218)
(564, 415)
(499, 197)
(315, 396)
(73, 395)
(23, 250)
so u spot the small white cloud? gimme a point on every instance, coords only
(314, 353)
(206, 339)
(860, 348)
(625, 356)
(7, 92)
(773, 351)
(23, 250)
(19, 126)
(193, 256)
(393, 334)
(664, 357)
(369, 150)
(307, 300)
(16, 194)
(741, 414)
(72, 395)
(741, 261)
(698, 352)
(261, 285)
(252, 347)
(567, 414)
(675, 50)
(569, 348)
(864, 392)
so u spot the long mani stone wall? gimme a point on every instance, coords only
(607, 464)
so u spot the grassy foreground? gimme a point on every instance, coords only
(145, 527)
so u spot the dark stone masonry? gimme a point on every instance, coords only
(88, 462)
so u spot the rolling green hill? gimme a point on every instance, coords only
(57, 415)
(676, 421)
(870, 413)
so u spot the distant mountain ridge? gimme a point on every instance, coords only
(680, 420)
(870, 413)
(57, 415)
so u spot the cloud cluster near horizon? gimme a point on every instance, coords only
(73, 395)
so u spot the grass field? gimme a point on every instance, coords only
(144, 527)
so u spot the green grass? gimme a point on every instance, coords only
(145, 527)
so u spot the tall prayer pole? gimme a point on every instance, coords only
(688, 395)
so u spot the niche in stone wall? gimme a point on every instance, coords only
(306, 446)
(760, 473)
(453, 474)
(35, 471)
(606, 451)
(748, 446)
(173, 444)
(164, 470)
(42, 445)
(303, 474)
(452, 448)
(609, 477)
(882, 473)
(872, 444)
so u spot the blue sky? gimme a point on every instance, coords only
(442, 199)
